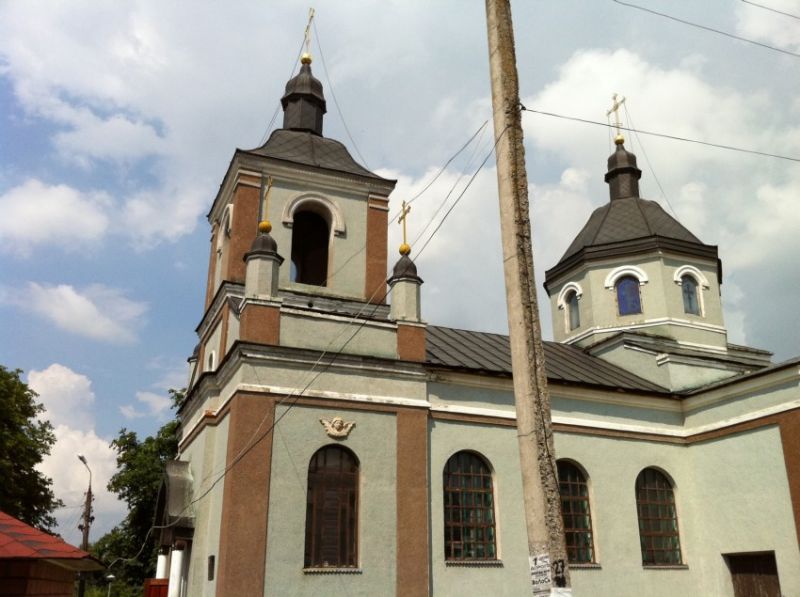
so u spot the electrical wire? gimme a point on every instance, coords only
(769, 8)
(665, 136)
(278, 107)
(333, 95)
(649, 163)
(706, 28)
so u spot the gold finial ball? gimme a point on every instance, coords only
(619, 139)
(305, 58)
(405, 249)
(265, 227)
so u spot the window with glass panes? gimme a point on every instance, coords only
(629, 301)
(576, 513)
(332, 509)
(469, 523)
(690, 303)
(658, 519)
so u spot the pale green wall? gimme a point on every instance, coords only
(347, 257)
(661, 298)
(498, 446)
(732, 496)
(374, 442)
(699, 411)
(334, 335)
(207, 456)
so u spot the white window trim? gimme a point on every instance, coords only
(622, 271)
(702, 284)
(568, 287)
(694, 273)
(306, 200)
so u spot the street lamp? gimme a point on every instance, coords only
(110, 578)
(87, 521)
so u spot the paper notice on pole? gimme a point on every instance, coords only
(540, 574)
(560, 592)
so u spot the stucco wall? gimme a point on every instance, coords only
(347, 257)
(498, 446)
(206, 455)
(731, 494)
(373, 441)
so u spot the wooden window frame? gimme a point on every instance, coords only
(657, 514)
(575, 505)
(332, 486)
(470, 532)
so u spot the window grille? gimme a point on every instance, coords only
(469, 523)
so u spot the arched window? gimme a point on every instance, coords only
(691, 304)
(332, 509)
(658, 519)
(575, 510)
(574, 310)
(469, 528)
(212, 361)
(629, 301)
(310, 236)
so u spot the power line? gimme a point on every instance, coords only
(706, 28)
(649, 163)
(665, 136)
(769, 8)
(278, 107)
(333, 95)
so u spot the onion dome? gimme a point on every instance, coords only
(304, 102)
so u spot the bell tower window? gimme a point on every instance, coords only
(310, 237)
(691, 304)
(629, 301)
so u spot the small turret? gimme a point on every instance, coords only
(263, 264)
(304, 103)
(623, 175)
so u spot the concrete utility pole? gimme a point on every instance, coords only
(546, 548)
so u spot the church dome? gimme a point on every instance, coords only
(627, 224)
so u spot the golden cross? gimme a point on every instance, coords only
(402, 219)
(308, 28)
(615, 109)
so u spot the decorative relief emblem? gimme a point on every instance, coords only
(337, 428)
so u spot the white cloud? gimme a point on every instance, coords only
(67, 396)
(69, 400)
(96, 312)
(155, 405)
(35, 214)
(769, 27)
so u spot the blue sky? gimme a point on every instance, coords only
(118, 121)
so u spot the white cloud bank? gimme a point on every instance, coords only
(36, 214)
(97, 311)
(69, 402)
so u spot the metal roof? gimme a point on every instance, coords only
(628, 219)
(485, 352)
(308, 149)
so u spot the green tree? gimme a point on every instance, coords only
(140, 470)
(25, 440)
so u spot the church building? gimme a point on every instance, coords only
(333, 442)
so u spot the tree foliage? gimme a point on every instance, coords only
(140, 471)
(25, 440)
